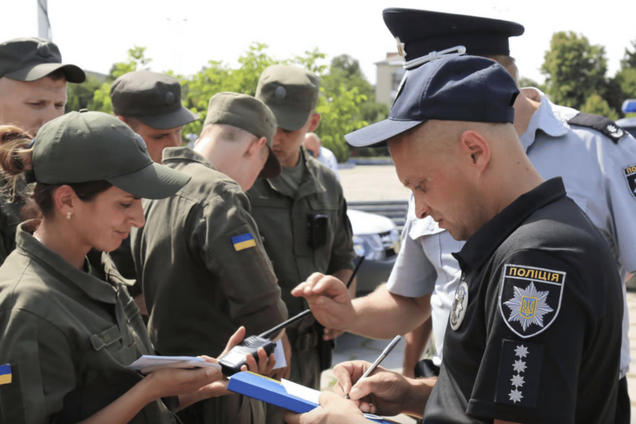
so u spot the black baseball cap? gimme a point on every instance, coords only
(93, 146)
(29, 59)
(151, 97)
(461, 88)
(420, 32)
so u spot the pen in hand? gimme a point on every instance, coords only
(377, 362)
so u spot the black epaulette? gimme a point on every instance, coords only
(599, 123)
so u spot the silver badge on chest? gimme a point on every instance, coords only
(459, 306)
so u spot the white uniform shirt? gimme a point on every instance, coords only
(326, 157)
(593, 169)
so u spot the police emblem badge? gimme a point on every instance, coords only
(630, 176)
(459, 306)
(530, 298)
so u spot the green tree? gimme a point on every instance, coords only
(574, 69)
(339, 116)
(80, 96)
(217, 77)
(629, 59)
(597, 105)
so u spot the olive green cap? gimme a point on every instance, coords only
(249, 114)
(29, 59)
(151, 97)
(290, 92)
(93, 146)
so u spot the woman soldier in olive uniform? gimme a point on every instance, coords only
(68, 330)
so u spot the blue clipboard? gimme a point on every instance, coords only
(271, 391)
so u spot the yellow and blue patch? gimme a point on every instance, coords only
(5, 374)
(244, 241)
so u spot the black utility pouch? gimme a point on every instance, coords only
(317, 230)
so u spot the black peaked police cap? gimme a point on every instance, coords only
(421, 32)
(460, 88)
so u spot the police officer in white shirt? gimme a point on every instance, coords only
(322, 154)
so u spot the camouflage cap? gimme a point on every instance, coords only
(94, 146)
(29, 59)
(249, 114)
(151, 97)
(290, 92)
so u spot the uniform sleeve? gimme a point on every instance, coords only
(38, 359)
(413, 274)
(543, 337)
(342, 253)
(620, 181)
(233, 250)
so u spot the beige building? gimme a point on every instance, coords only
(389, 73)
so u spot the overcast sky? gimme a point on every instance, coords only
(183, 35)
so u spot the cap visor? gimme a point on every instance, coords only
(290, 119)
(272, 168)
(152, 182)
(377, 134)
(169, 120)
(72, 73)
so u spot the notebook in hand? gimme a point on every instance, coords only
(300, 400)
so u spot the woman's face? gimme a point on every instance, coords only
(107, 219)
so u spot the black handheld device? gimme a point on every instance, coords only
(232, 361)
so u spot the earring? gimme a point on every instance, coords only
(68, 216)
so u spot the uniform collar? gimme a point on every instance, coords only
(175, 154)
(481, 245)
(58, 267)
(546, 118)
(311, 183)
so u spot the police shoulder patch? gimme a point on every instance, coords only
(599, 123)
(530, 298)
(630, 176)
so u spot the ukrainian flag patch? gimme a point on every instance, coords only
(5, 374)
(244, 241)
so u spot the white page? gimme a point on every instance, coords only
(149, 363)
(279, 353)
(300, 391)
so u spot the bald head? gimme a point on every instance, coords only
(462, 173)
(233, 151)
(312, 143)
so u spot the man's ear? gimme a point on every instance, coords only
(255, 146)
(314, 120)
(475, 149)
(122, 119)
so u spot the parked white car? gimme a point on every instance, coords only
(377, 238)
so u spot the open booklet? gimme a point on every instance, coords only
(285, 394)
(149, 363)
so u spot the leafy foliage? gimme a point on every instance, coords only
(597, 105)
(575, 69)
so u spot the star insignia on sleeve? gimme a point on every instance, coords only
(519, 366)
(521, 351)
(517, 380)
(515, 396)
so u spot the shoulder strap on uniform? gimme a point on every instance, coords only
(599, 123)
